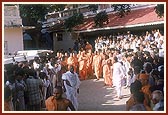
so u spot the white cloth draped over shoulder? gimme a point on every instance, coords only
(71, 91)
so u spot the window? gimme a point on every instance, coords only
(59, 37)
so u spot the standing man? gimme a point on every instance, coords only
(34, 86)
(18, 89)
(107, 73)
(88, 46)
(89, 64)
(118, 75)
(70, 61)
(82, 65)
(57, 102)
(71, 85)
(97, 64)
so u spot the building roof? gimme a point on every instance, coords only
(137, 17)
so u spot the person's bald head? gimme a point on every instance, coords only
(57, 92)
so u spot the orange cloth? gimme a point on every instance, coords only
(71, 62)
(64, 67)
(51, 104)
(7, 106)
(89, 65)
(107, 74)
(131, 102)
(65, 60)
(97, 65)
(54, 105)
(143, 76)
(146, 91)
(82, 67)
(76, 63)
(88, 47)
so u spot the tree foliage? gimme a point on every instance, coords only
(101, 18)
(56, 7)
(93, 7)
(32, 13)
(122, 9)
(37, 12)
(159, 9)
(73, 21)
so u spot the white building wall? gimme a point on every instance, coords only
(67, 41)
(13, 37)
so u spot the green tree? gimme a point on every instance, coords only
(36, 12)
(93, 7)
(121, 9)
(101, 18)
(73, 21)
(34, 15)
(159, 9)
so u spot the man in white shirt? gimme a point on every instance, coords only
(118, 75)
(71, 84)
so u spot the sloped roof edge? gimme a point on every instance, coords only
(117, 27)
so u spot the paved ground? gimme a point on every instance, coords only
(94, 96)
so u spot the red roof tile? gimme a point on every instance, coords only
(139, 16)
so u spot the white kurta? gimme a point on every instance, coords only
(118, 74)
(128, 77)
(71, 91)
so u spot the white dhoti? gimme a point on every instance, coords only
(71, 91)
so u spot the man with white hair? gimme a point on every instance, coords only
(157, 99)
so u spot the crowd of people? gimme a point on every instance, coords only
(132, 61)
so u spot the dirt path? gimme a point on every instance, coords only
(94, 96)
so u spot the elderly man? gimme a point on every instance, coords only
(157, 99)
(71, 85)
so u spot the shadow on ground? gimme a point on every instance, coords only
(94, 96)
